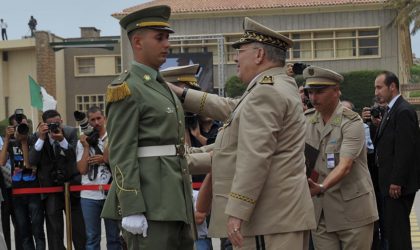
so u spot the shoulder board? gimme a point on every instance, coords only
(121, 78)
(118, 89)
(267, 80)
(350, 114)
(310, 111)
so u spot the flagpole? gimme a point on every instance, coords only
(32, 117)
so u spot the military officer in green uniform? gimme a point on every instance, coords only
(342, 190)
(151, 189)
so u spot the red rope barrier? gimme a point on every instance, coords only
(46, 190)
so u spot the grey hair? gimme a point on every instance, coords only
(275, 55)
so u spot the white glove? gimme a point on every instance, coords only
(135, 224)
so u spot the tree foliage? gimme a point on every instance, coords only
(234, 87)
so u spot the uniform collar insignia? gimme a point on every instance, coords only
(147, 77)
(336, 121)
(267, 80)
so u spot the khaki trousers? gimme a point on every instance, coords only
(165, 235)
(356, 238)
(284, 241)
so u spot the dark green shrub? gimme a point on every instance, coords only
(234, 87)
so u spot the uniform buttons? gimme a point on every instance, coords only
(182, 138)
(180, 122)
(323, 159)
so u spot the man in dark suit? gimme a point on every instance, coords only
(54, 155)
(395, 145)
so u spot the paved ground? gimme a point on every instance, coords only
(414, 218)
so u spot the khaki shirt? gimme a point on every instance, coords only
(350, 203)
(258, 170)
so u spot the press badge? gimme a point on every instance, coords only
(330, 161)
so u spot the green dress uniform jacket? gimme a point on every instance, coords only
(351, 202)
(258, 169)
(141, 112)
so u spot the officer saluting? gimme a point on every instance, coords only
(151, 190)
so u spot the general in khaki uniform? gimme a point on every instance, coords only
(146, 148)
(344, 199)
(258, 169)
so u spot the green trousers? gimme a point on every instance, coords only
(162, 235)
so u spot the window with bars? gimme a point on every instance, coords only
(84, 102)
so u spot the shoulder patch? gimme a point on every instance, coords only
(350, 114)
(118, 89)
(267, 80)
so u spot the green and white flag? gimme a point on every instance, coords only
(40, 99)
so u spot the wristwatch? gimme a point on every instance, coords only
(184, 94)
(321, 186)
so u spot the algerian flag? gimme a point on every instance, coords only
(40, 99)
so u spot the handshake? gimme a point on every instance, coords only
(135, 224)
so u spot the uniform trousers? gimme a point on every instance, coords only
(359, 238)
(167, 235)
(282, 241)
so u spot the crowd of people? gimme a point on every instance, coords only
(286, 167)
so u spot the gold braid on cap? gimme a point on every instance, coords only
(254, 36)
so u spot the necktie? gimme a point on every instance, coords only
(56, 148)
(381, 127)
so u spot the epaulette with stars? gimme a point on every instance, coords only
(118, 89)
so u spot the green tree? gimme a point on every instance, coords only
(234, 87)
(408, 13)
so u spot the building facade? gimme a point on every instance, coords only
(91, 63)
(30, 57)
(344, 35)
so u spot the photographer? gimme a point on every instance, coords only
(372, 117)
(28, 210)
(54, 155)
(91, 164)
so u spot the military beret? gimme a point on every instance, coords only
(155, 17)
(185, 74)
(256, 32)
(317, 77)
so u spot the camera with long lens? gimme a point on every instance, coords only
(299, 67)
(21, 128)
(91, 132)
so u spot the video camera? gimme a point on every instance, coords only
(21, 128)
(91, 132)
(299, 67)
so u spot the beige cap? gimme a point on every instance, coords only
(256, 32)
(185, 74)
(317, 77)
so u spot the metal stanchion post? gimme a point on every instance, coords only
(68, 215)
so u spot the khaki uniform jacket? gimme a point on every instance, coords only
(350, 203)
(160, 186)
(258, 169)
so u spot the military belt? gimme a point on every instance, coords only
(162, 150)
